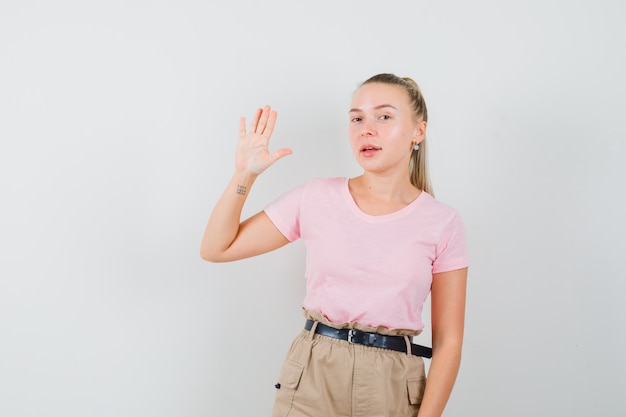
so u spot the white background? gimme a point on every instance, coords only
(118, 121)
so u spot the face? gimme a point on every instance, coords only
(383, 128)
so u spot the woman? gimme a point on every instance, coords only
(376, 244)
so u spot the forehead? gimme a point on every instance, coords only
(376, 94)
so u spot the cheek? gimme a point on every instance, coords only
(399, 134)
(353, 137)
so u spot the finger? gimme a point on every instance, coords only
(271, 122)
(242, 126)
(255, 120)
(260, 128)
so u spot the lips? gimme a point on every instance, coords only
(367, 148)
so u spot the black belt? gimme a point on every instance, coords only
(396, 343)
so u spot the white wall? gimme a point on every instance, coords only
(118, 121)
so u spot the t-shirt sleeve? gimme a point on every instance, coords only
(452, 252)
(284, 212)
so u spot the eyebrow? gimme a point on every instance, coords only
(375, 108)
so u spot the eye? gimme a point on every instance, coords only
(355, 119)
(385, 117)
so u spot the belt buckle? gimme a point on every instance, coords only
(350, 336)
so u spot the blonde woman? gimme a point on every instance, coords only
(376, 246)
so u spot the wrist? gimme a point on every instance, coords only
(242, 181)
(245, 178)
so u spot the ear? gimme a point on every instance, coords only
(420, 131)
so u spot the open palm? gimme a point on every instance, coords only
(253, 155)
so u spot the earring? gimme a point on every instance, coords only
(416, 147)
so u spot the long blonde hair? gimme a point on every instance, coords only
(418, 165)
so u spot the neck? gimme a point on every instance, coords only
(386, 188)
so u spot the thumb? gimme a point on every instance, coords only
(276, 155)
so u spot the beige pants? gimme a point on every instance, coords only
(326, 377)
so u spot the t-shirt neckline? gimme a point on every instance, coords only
(378, 218)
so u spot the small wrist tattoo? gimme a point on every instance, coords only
(241, 189)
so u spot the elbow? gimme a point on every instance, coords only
(450, 349)
(207, 257)
(210, 255)
(211, 258)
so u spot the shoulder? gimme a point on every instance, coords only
(312, 189)
(433, 204)
(330, 182)
(324, 185)
(439, 212)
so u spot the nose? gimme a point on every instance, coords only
(366, 129)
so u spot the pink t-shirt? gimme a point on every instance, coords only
(374, 270)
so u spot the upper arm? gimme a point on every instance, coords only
(256, 235)
(448, 306)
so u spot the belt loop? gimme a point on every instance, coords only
(408, 345)
(313, 328)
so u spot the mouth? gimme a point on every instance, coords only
(369, 148)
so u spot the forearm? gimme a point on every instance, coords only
(442, 374)
(223, 224)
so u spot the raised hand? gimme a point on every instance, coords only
(253, 156)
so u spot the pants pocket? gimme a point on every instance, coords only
(288, 381)
(415, 389)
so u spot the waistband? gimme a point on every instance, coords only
(397, 343)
